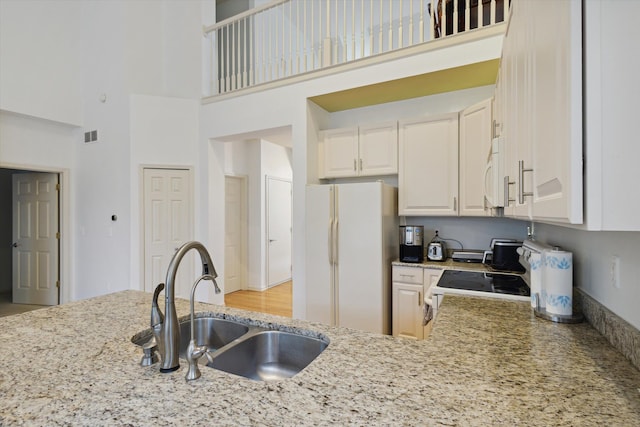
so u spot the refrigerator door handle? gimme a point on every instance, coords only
(335, 241)
(330, 241)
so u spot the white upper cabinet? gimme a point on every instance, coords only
(475, 147)
(378, 149)
(428, 165)
(541, 79)
(368, 150)
(339, 152)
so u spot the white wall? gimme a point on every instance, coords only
(79, 63)
(164, 133)
(592, 254)
(40, 71)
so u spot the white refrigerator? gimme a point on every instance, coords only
(351, 240)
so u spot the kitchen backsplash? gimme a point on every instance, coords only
(473, 233)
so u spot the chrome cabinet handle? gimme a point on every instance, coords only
(419, 299)
(521, 193)
(355, 165)
(507, 183)
(455, 203)
(361, 164)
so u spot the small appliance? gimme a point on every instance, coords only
(437, 250)
(503, 255)
(495, 189)
(411, 243)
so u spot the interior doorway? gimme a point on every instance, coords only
(235, 236)
(279, 228)
(30, 260)
(259, 156)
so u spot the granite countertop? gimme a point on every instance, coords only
(487, 362)
(448, 264)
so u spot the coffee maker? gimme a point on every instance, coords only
(411, 243)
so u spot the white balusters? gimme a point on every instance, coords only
(287, 37)
(467, 15)
(380, 44)
(400, 26)
(455, 16)
(492, 18)
(335, 39)
(362, 29)
(326, 42)
(410, 23)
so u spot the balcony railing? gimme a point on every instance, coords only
(290, 37)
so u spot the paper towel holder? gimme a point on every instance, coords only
(557, 318)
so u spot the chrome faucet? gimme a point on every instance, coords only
(165, 327)
(195, 352)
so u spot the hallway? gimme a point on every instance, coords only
(276, 300)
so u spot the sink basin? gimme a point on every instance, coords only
(249, 351)
(211, 332)
(269, 355)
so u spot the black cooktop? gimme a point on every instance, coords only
(510, 284)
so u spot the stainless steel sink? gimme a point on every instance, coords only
(268, 355)
(249, 351)
(211, 332)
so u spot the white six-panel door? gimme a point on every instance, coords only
(168, 212)
(35, 238)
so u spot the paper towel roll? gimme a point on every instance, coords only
(558, 282)
(535, 272)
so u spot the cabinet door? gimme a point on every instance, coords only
(407, 311)
(431, 277)
(517, 112)
(339, 152)
(475, 149)
(378, 149)
(556, 149)
(428, 166)
(542, 60)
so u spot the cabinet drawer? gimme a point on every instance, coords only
(407, 275)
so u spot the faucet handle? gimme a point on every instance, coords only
(194, 353)
(156, 315)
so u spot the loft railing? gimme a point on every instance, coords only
(289, 37)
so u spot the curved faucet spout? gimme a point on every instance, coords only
(170, 328)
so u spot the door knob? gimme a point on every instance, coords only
(14, 245)
(272, 240)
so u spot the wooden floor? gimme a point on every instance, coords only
(276, 300)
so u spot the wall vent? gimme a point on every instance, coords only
(91, 136)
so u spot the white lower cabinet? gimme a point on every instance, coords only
(407, 299)
(410, 284)
(407, 311)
